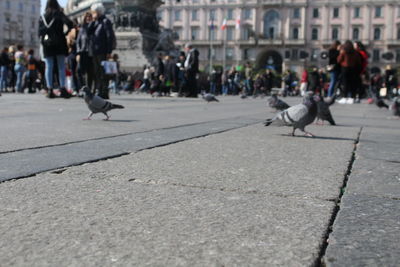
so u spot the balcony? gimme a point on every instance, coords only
(272, 2)
(393, 42)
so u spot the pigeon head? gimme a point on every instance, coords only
(317, 98)
(308, 99)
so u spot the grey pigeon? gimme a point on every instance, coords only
(324, 113)
(243, 96)
(96, 104)
(210, 98)
(276, 103)
(396, 106)
(298, 116)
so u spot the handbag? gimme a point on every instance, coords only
(330, 67)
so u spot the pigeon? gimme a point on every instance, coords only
(243, 96)
(210, 98)
(298, 116)
(324, 113)
(96, 104)
(396, 106)
(380, 103)
(276, 103)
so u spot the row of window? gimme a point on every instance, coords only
(246, 33)
(20, 6)
(296, 13)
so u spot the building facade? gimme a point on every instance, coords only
(19, 22)
(284, 33)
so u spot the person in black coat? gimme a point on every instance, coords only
(4, 67)
(52, 36)
(103, 42)
(192, 68)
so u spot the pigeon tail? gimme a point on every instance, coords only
(116, 106)
(331, 121)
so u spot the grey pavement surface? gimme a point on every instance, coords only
(196, 185)
(367, 228)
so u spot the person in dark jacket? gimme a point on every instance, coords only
(4, 67)
(52, 36)
(314, 81)
(102, 38)
(192, 68)
(85, 53)
(170, 74)
(334, 67)
(32, 72)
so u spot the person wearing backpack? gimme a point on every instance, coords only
(103, 42)
(54, 43)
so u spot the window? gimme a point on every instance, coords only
(21, 7)
(246, 33)
(295, 54)
(8, 4)
(33, 9)
(377, 34)
(230, 33)
(356, 34)
(213, 32)
(314, 34)
(398, 33)
(247, 13)
(195, 33)
(295, 33)
(296, 13)
(398, 56)
(230, 14)
(357, 12)
(376, 54)
(314, 54)
(177, 15)
(315, 13)
(195, 15)
(378, 12)
(336, 12)
(213, 14)
(178, 32)
(335, 34)
(229, 53)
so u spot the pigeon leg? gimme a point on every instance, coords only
(89, 117)
(292, 133)
(308, 134)
(107, 117)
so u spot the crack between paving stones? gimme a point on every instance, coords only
(319, 261)
(61, 169)
(127, 134)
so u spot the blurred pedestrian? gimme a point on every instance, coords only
(268, 79)
(103, 42)
(333, 67)
(213, 82)
(4, 69)
(390, 81)
(192, 69)
(248, 71)
(315, 81)
(360, 90)
(85, 53)
(304, 82)
(350, 62)
(55, 49)
(32, 72)
(20, 62)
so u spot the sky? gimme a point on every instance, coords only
(61, 2)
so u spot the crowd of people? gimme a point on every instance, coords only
(83, 53)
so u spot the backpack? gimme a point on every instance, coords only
(49, 40)
(113, 37)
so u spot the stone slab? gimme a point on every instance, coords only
(78, 218)
(365, 233)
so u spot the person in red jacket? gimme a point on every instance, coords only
(350, 62)
(360, 90)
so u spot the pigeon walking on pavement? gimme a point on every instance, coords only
(324, 113)
(396, 106)
(298, 116)
(210, 98)
(96, 104)
(276, 103)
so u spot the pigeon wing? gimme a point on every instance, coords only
(98, 104)
(292, 115)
